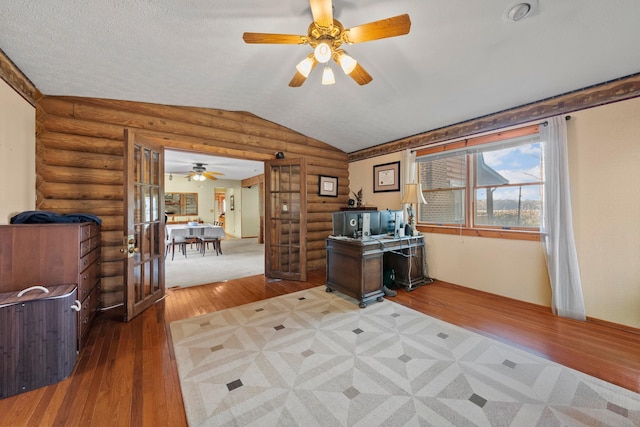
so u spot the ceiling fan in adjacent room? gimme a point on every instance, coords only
(199, 173)
(326, 36)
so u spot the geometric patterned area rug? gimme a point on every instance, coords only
(313, 358)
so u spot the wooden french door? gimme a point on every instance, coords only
(144, 224)
(286, 219)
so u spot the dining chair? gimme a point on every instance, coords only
(170, 245)
(205, 239)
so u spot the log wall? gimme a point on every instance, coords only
(80, 163)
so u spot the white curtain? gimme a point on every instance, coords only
(409, 168)
(556, 227)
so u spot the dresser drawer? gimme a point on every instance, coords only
(89, 259)
(85, 247)
(95, 242)
(88, 279)
(88, 311)
(85, 232)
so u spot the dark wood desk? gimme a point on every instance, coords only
(355, 266)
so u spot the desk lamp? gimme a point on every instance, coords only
(412, 195)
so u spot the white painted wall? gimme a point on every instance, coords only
(361, 176)
(604, 151)
(205, 190)
(605, 169)
(17, 154)
(233, 218)
(251, 211)
(242, 221)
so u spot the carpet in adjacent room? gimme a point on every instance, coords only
(239, 258)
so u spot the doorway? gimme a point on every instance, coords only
(222, 200)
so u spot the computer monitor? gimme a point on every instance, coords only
(391, 221)
(374, 222)
(346, 223)
(353, 223)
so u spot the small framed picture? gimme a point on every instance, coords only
(232, 202)
(328, 186)
(386, 177)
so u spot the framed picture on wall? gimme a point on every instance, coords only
(386, 177)
(231, 204)
(328, 186)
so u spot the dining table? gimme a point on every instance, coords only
(193, 231)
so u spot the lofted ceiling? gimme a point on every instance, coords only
(461, 59)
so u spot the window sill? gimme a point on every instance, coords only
(477, 232)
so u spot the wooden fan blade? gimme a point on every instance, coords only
(210, 175)
(297, 80)
(360, 75)
(322, 12)
(266, 38)
(390, 27)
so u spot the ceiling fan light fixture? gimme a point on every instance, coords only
(305, 66)
(347, 63)
(327, 76)
(322, 52)
(199, 177)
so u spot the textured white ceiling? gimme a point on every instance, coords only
(181, 163)
(460, 60)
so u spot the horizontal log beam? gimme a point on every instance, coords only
(60, 157)
(320, 226)
(113, 253)
(81, 127)
(617, 90)
(316, 254)
(72, 191)
(317, 263)
(112, 284)
(317, 235)
(94, 207)
(149, 122)
(239, 122)
(81, 143)
(316, 168)
(15, 78)
(112, 269)
(324, 207)
(320, 217)
(79, 175)
(190, 143)
(317, 244)
(254, 180)
(112, 223)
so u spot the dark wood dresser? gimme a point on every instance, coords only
(50, 255)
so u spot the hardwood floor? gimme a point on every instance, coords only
(127, 376)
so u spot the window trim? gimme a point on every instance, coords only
(515, 233)
(479, 140)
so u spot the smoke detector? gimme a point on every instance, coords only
(520, 10)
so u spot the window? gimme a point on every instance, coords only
(491, 182)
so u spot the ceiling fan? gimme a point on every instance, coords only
(200, 173)
(326, 36)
